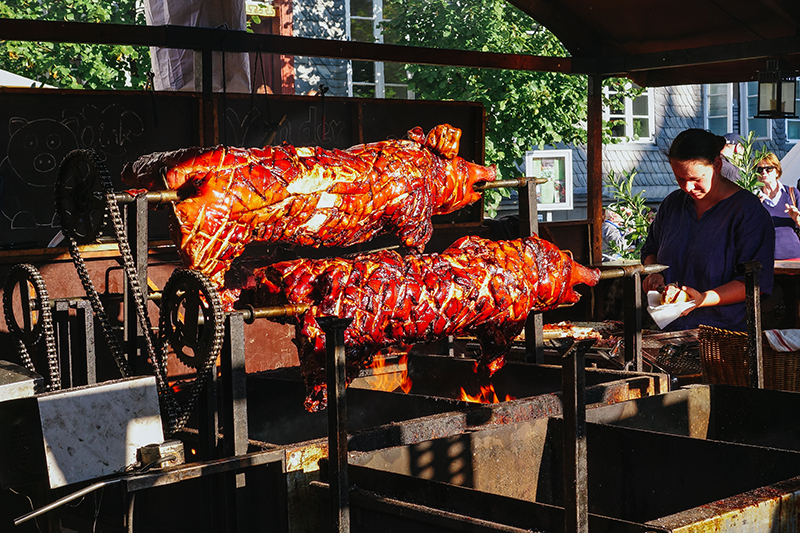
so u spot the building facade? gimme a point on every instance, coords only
(645, 127)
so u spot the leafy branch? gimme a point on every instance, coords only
(634, 216)
(746, 159)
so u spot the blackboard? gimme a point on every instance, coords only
(39, 127)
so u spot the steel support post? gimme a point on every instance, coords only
(63, 332)
(234, 387)
(233, 418)
(136, 229)
(84, 340)
(529, 226)
(210, 126)
(632, 291)
(755, 359)
(337, 421)
(75, 342)
(576, 489)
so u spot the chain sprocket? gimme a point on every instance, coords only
(191, 317)
(80, 196)
(193, 323)
(33, 307)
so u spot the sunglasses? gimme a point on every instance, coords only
(761, 170)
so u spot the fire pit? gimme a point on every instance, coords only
(437, 385)
(509, 478)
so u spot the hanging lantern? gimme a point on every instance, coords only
(776, 92)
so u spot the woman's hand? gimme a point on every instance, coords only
(653, 282)
(794, 213)
(696, 296)
(729, 293)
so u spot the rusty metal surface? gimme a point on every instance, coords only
(379, 419)
(775, 507)
(199, 469)
(756, 417)
(633, 475)
(388, 501)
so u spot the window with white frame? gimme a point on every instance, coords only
(793, 124)
(633, 117)
(718, 104)
(762, 127)
(368, 78)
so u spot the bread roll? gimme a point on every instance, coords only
(672, 294)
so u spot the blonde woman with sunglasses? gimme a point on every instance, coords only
(781, 203)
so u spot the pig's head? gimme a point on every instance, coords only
(162, 169)
(453, 177)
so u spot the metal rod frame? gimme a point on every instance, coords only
(755, 358)
(337, 420)
(576, 486)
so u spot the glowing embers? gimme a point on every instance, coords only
(388, 372)
(486, 394)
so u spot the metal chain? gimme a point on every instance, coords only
(203, 371)
(142, 316)
(46, 318)
(177, 414)
(99, 310)
(53, 364)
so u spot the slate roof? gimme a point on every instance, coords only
(323, 19)
(676, 108)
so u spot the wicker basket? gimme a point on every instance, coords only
(723, 355)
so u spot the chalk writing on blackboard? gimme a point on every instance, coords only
(36, 148)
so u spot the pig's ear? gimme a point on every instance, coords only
(417, 135)
(443, 139)
(15, 124)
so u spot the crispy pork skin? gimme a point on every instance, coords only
(308, 196)
(476, 287)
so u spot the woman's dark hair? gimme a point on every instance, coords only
(696, 144)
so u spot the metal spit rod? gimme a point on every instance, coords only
(252, 313)
(513, 182)
(153, 197)
(630, 270)
(172, 195)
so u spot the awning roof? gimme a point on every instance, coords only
(673, 42)
(668, 42)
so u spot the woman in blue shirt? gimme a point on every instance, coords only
(703, 230)
(780, 202)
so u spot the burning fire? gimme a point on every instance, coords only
(390, 377)
(486, 395)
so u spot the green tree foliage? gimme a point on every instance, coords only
(524, 109)
(75, 66)
(632, 215)
(746, 159)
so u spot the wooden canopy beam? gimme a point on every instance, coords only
(214, 39)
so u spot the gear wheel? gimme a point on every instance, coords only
(80, 198)
(192, 320)
(33, 308)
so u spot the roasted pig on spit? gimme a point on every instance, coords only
(476, 287)
(308, 196)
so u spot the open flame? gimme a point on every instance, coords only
(487, 394)
(388, 376)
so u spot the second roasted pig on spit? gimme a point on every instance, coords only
(308, 196)
(476, 287)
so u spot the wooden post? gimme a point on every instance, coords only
(594, 167)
